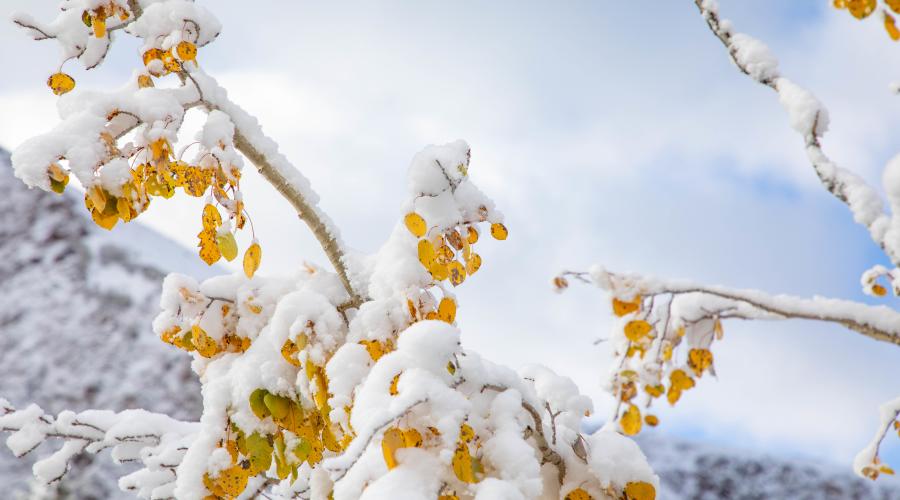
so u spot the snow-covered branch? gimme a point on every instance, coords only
(810, 119)
(156, 441)
(867, 464)
(700, 302)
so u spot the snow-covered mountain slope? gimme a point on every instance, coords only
(691, 471)
(75, 322)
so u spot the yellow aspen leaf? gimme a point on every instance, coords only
(445, 254)
(448, 497)
(651, 420)
(472, 232)
(144, 81)
(635, 349)
(394, 381)
(455, 239)
(124, 209)
(375, 349)
(390, 443)
(640, 490)
(717, 329)
(209, 249)
(466, 433)
(673, 395)
(252, 258)
(877, 289)
(227, 245)
(278, 406)
(416, 224)
(463, 464)
(654, 391)
(289, 352)
(699, 360)
(105, 221)
(60, 83)
(894, 5)
(621, 307)
(667, 351)
(560, 283)
(186, 51)
(259, 453)
(473, 264)
(457, 273)
(170, 63)
(426, 253)
(168, 336)
(631, 421)
(499, 231)
(637, 329)
(412, 438)
(257, 403)
(59, 178)
(98, 23)
(681, 380)
(431, 315)
(204, 344)
(884, 469)
(233, 480)
(438, 271)
(231, 447)
(860, 9)
(628, 391)
(211, 217)
(578, 494)
(447, 310)
(151, 55)
(839, 4)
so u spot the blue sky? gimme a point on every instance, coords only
(608, 132)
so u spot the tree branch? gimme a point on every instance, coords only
(864, 202)
(876, 322)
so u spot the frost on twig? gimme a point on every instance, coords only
(156, 441)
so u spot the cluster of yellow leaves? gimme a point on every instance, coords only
(217, 243)
(449, 256)
(466, 466)
(636, 490)
(640, 334)
(861, 9)
(396, 438)
(876, 469)
(445, 310)
(159, 62)
(95, 19)
(196, 339)
(159, 176)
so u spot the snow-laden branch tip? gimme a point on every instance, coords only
(810, 119)
(156, 441)
(867, 463)
(697, 301)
